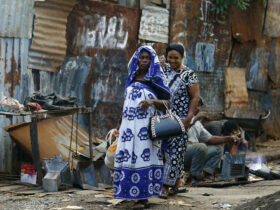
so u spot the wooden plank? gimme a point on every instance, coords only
(11, 187)
(50, 113)
(89, 116)
(35, 148)
(9, 113)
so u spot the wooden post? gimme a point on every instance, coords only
(89, 115)
(35, 148)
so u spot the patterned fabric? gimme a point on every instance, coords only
(178, 83)
(138, 172)
(154, 75)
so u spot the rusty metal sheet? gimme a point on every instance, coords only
(16, 18)
(107, 90)
(204, 56)
(241, 54)
(48, 47)
(259, 101)
(154, 24)
(143, 3)
(13, 68)
(109, 38)
(274, 63)
(264, 101)
(160, 48)
(219, 31)
(194, 25)
(191, 23)
(54, 137)
(272, 125)
(91, 28)
(212, 91)
(70, 81)
(247, 24)
(272, 19)
(130, 3)
(178, 22)
(257, 74)
(6, 147)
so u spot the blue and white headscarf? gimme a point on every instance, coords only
(154, 75)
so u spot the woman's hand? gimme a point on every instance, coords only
(145, 104)
(187, 122)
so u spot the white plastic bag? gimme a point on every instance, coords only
(112, 139)
(10, 103)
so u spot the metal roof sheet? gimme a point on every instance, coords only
(16, 18)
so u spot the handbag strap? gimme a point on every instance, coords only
(110, 135)
(166, 106)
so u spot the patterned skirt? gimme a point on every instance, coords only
(174, 150)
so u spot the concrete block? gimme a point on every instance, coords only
(51, 182)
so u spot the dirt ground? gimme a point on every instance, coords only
(197, 198)
(259, 195)
(264, 203)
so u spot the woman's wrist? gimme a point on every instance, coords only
(187, 122)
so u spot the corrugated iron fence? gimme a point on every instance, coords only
(81, 48)
(15, 33)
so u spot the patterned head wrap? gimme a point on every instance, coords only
(154, 76)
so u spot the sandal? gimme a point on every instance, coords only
(176, 190)
(164, 194)
(179, 187)
(141, 204)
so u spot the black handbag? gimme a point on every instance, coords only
(166, 126)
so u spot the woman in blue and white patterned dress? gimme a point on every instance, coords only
(138, 173)
(185, 94)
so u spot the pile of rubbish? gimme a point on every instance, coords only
(37, 102)
(50, 102)
(8, 104)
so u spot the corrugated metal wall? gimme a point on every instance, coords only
(238, 41)
(13, 70)
(102, 36)
(208, 46)
(16, 18)
(48, 47)
(99, 45)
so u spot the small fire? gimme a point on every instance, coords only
(255, 162)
